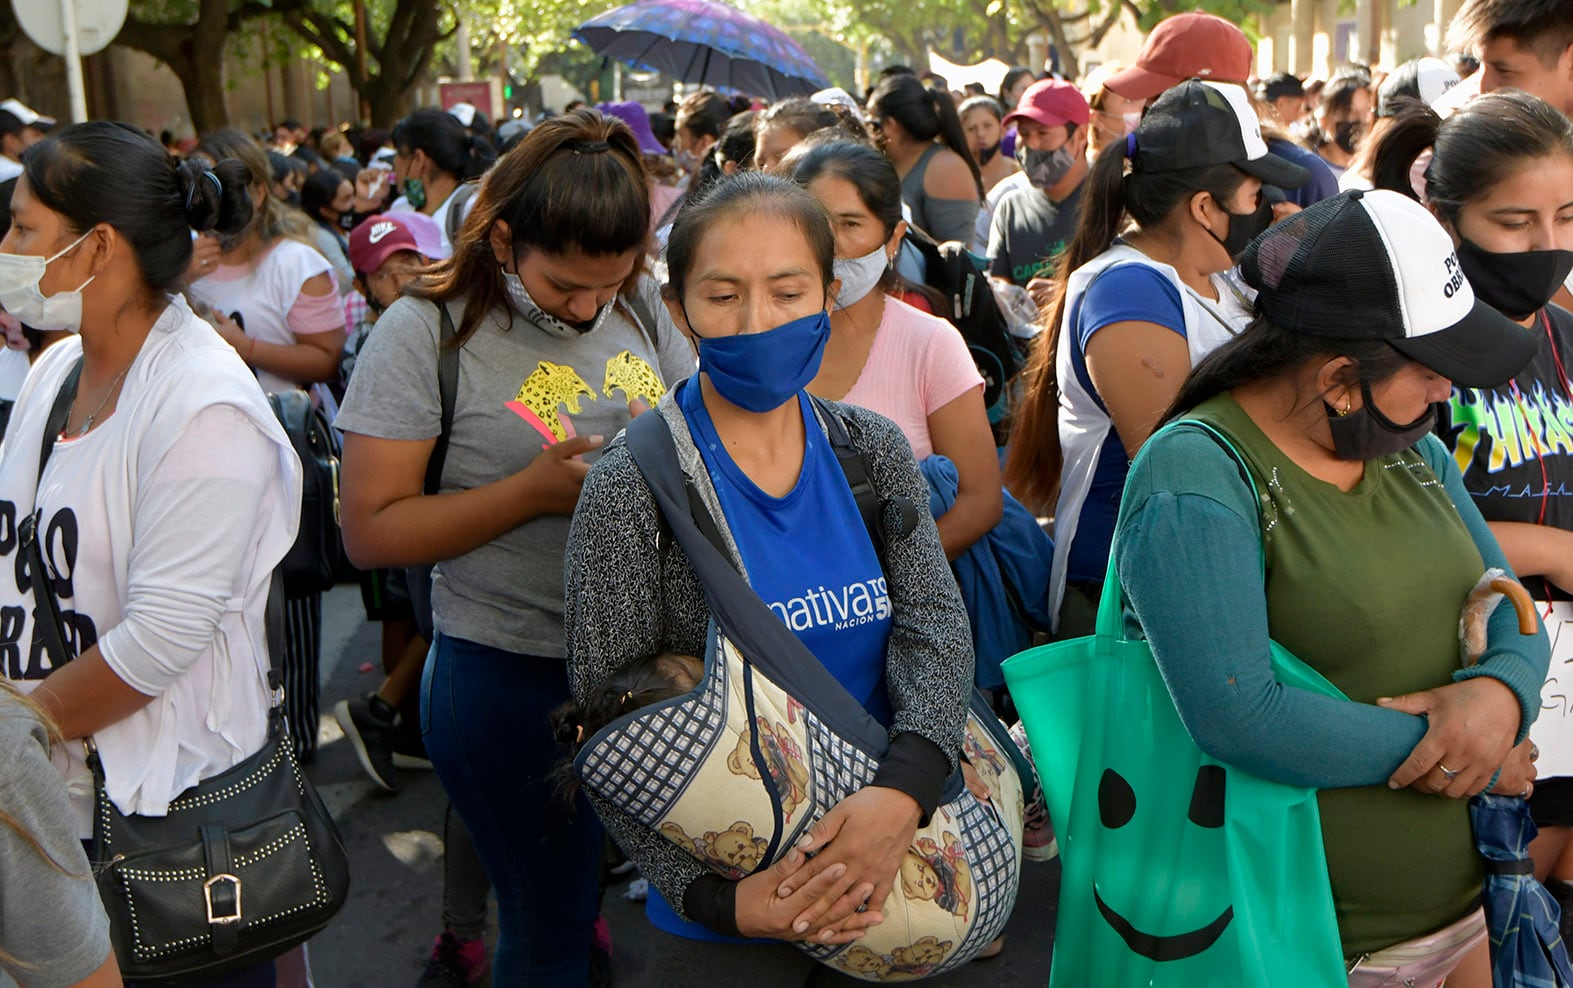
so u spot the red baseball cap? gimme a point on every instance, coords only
(379, 237)
(1051, 103)
(1192, 45)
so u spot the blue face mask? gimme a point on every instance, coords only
(760, 372)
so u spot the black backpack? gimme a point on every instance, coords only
(970, 306)
(316, 560)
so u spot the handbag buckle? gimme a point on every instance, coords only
(207, 895)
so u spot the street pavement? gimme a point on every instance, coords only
(384, 934)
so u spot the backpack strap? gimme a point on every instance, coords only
(854, 465)
(461, 198)
(643, 318)
(447, 391)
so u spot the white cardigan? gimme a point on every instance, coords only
(162, 527)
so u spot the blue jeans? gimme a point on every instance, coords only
(484, 719)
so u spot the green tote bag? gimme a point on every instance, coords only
(1178, 871)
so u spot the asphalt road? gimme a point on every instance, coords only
(384, 934)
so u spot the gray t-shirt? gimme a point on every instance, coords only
(520, 388)
(52, 924)
(1029, 233)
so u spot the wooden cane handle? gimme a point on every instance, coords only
(1523, 603)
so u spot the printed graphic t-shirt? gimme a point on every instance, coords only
(829, 589)
(1029, 234)
(1502, 438)
(520, 390)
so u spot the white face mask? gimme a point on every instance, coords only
(548, 323)
(20, 295)
(859, 275)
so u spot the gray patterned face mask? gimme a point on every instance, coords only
(545, 321)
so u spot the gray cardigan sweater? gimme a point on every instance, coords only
(631, 593)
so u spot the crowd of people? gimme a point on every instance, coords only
(905, 352)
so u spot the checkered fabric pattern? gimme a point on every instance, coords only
(649, 763)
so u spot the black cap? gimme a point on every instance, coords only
(10, 123)
(1198, 124)
(1378, 266)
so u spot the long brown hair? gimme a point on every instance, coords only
(576, 182)
(1032, 469)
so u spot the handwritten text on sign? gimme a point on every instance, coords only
(1553, 730)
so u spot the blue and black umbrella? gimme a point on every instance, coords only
(1522, 918)
(706, 43)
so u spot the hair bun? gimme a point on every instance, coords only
(217, 199)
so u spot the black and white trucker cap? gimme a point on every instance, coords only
(1378, 266)
(1197, 124)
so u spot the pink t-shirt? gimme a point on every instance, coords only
(917, 365)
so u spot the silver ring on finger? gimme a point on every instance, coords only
(1524, 794)
(1534, 752)
(863, 908)
(1447, 773)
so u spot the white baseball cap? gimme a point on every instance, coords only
(26, 115)
(1378, 266)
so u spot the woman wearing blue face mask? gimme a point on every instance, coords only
(888, 356)
(752, 279)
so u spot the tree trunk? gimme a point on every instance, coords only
(196, 54)
(202, 79)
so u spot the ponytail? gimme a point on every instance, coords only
(955, 137)
(1109, 196)
(1397, 141)
(1032, 468)
(925, 114)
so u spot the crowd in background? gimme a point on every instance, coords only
(989, 301)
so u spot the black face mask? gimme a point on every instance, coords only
(1367, 434)
(987, 154)
(348, 221)
(1243, 227)
(1517, 284)
(1347, 134)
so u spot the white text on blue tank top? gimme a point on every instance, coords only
(853, 605)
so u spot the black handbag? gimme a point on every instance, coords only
(316, 561)
(245, 865)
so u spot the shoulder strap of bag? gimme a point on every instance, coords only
(738, 611)
(855, 466)
(27, 532)
(447, 391)
(644, 317)
(455, 218)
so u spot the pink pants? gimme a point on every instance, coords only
(1422, 963)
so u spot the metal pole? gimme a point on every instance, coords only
(73, 61)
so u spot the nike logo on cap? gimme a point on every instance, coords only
(381, 230)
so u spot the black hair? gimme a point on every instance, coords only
(704, 114)
(988, 103)
(319, 192)
(156, 201)
(1338, 95)
(288, 125)
(747, 192)
(282, 166)
(663, 126)
(640, 683)
(448, 145)
(1475, 148)
(1265, 350)
(737, 141)
(925, 114)
(1109, 198)
(878, 187)
(804, 116)
(736, 145)
(1543, 26)
(1012, 77)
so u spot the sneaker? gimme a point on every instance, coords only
(369, 724)
(454, 963)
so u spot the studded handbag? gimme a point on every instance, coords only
(244, 866)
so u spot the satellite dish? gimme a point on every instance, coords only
(97, 23)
